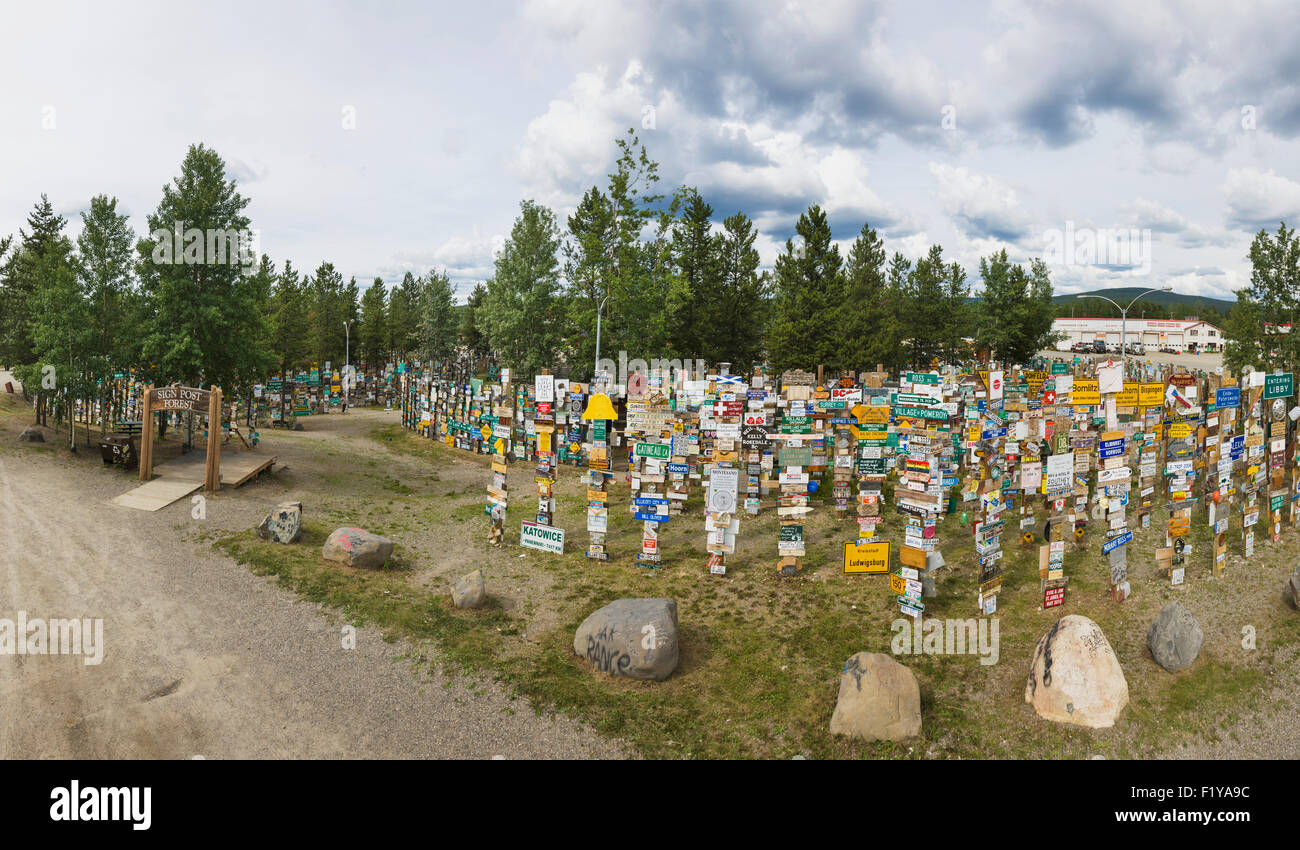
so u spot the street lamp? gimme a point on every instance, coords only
(1123, 317)
(347, 361)
(599, 310)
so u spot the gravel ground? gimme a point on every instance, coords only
(203, 658)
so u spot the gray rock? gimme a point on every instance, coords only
(1291, 591)
(283, 524)
(356, 547)
(636, 638)
(470, 591)
(879, 700)
(1175, 637)
(31, 435)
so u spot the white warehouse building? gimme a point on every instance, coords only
(1154, 334)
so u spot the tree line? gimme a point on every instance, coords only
(664, 276)
(111, 300)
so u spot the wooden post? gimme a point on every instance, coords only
(146, 435)
(212, 464)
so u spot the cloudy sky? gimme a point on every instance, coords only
(402, 136)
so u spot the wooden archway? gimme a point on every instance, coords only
(190, 399)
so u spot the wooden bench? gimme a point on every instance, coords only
(129, 428)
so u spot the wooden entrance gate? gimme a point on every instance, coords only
(189, 399)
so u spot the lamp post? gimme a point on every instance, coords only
(599, 310)
(1123, 317)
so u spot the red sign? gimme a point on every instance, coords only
(730, 408)
(543, 408)
(755, 419)
(1053, 596)
(1049, 397)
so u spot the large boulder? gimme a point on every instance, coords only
(356, 547)
(31, 435)
(283, 524)
(1291, 591)
(879, 700)
(470, 591)
(1075, 676)
(1175, 637)
(636, 638)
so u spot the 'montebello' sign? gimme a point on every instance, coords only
(544, 537)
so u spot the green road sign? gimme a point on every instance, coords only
(922, 378)
(654, 450)
(1278, 386)
(905, 412)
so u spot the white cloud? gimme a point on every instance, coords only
(980, 204)
(1258, 198)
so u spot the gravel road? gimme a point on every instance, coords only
(203, 658)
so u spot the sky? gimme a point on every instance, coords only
(402, 136)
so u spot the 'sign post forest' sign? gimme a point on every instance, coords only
(180, 398)
(544, 537)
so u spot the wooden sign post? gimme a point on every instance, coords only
(190, 399)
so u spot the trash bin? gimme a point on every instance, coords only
(119, 448)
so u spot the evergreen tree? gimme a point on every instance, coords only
(521, 315)
(809, 293)
(868, 332)
(105, 271)
(39, 257)
(404, 317)
(740, 313)
(471, 337)
(1013, 318)
(697, 296)
(205, 326)
(290, 331)
(374, 335)
(328, 313)
(438, 324)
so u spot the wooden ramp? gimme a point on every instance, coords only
(182, 476)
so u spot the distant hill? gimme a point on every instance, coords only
(1124, 294)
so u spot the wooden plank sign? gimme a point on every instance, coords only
(180, 398)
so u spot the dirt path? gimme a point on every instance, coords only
(203, 658)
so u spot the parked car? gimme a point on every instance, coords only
(1099, 346)
(1081, 348)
